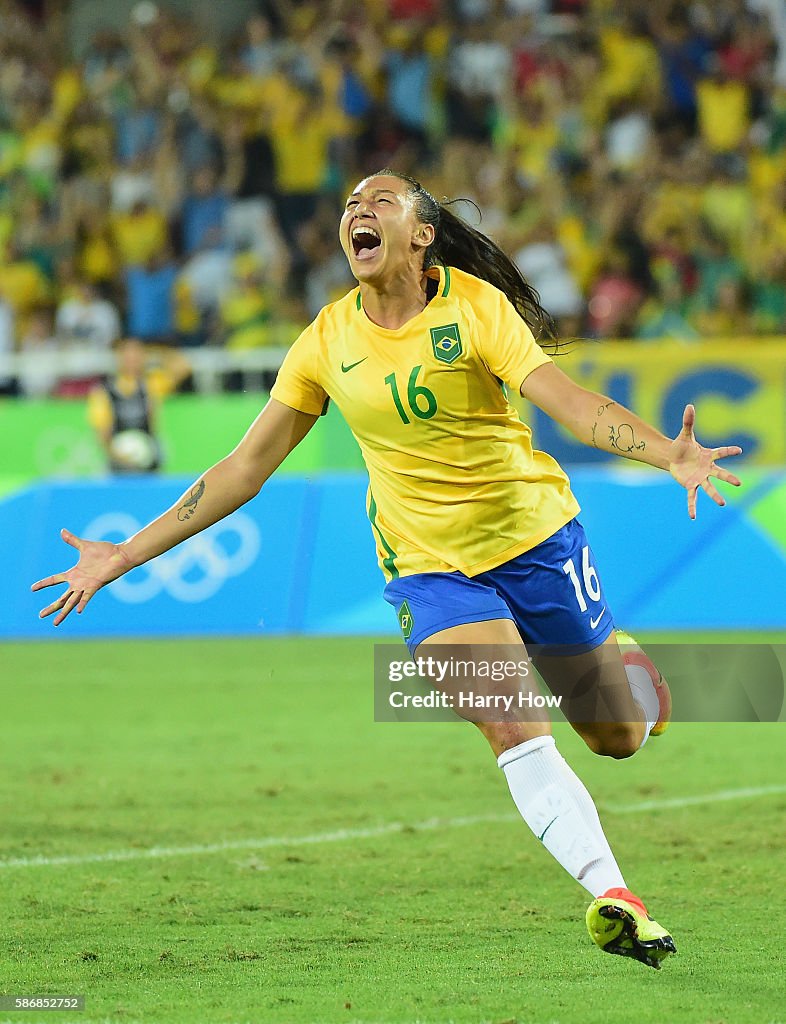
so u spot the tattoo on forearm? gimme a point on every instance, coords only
(188, 508)
(601, 409)
(623, 439)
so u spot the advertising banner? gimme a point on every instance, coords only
(738, 388)
(51, 438)
(300, 558)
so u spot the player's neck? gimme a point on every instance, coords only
(127, 383)
(393, 305)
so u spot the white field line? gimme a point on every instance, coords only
(373, 832)
(719, 797)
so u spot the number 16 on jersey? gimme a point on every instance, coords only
(591, 581)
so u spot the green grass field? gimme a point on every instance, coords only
(278, 857)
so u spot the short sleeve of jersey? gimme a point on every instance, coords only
(506, 344)
(99, 410)
(296, 384)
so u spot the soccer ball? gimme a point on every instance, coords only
(134, 449)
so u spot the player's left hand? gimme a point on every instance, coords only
(691, 464)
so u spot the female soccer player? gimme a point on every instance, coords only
(476, 533)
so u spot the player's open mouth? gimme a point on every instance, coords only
(366, 242)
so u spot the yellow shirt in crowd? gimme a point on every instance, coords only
(139, 236)
(723, 114)
(301, 129)
(23, 285)
(454, 481)
(631, 66)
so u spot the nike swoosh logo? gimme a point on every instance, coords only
(545, 830)
(346, 369)
(594, 622)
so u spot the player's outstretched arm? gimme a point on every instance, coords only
(225, 487)
(598, 421)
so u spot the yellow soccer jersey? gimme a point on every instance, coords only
(454, 481)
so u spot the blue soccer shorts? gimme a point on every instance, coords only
(552, 593)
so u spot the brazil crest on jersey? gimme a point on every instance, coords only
(454, 481)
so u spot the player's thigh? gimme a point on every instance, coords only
(596, 697)
(506, 712)
(471, 622)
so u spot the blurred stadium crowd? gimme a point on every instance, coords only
(632, 155)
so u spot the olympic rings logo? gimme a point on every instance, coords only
(65, 452)
(192, 572)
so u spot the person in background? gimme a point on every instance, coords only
(411, 74)
(150, 298)
(728, 317)
(130, 401)
(205, 210)
(23, 284)
(261, 54)
(85, 318)
(768, 305)
(245, 310)
(37, 377)
(665, 314)
(6, 344)
(303, 123)
(140, 234)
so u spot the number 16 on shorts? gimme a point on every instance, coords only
(589, 577)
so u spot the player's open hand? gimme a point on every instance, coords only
(99, 563)
(692, 465)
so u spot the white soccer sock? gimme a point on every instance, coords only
(644, 694)
(554, 803)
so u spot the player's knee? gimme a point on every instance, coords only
(618, 740)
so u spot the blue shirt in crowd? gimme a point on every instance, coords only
(150, 306)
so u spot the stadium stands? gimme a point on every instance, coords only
(186, 189)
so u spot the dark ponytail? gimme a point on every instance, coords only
(457, 244)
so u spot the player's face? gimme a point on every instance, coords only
(380, 232)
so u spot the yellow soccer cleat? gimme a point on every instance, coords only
(632, 654)
(618, 922)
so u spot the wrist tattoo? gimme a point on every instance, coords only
(603, 408)
(623, 439)
(188, 508)
(594, 428)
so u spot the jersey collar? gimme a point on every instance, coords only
(439, 273)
